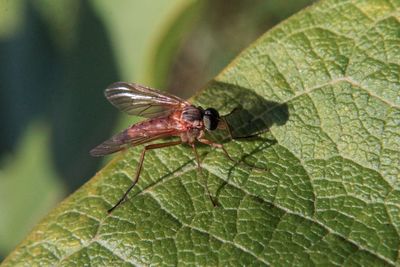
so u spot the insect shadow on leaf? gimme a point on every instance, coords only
(251, 115)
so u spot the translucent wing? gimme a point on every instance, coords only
(123, 139)
(140, 100)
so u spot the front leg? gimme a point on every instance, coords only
(216, 145)
(220, 146)
(201, 173)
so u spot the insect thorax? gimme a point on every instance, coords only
(192, 114)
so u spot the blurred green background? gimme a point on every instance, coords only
(57, 57)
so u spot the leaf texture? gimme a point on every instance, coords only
(324, 189)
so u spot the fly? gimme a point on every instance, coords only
(167, 115)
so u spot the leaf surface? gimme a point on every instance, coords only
(324, 188)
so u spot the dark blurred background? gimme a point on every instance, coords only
(57, 57)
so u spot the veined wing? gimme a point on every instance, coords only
(123, 139)
(140, 100)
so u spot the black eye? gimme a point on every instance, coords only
(211, 119)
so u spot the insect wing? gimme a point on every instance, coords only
(121, 140)
(140, 100)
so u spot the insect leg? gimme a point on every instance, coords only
(139, 168)
(220, 146)
(223, 124)
(200, 170)
(216, 145)
(197, 157)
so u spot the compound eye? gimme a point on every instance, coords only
(211, 119)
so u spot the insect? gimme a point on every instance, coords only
(167, 115)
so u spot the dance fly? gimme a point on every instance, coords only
(167, 116)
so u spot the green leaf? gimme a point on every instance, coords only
(23, 206)
(326, 82)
